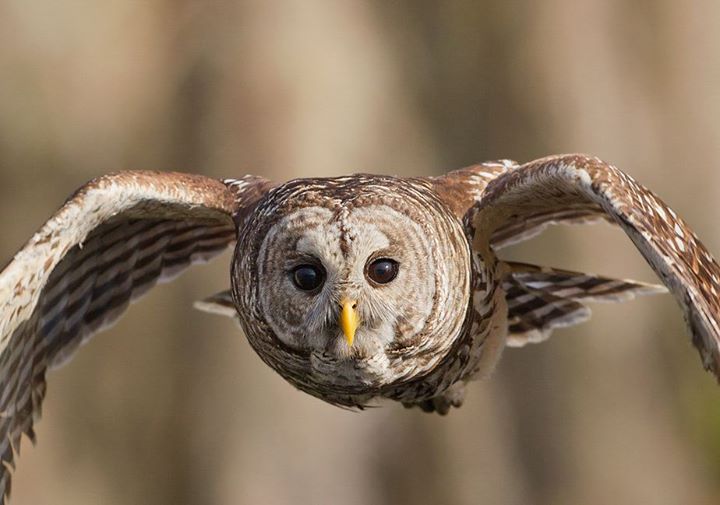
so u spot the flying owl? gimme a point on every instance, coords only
(351, 288)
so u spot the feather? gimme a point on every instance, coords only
(220, 303)
(541, 299)
(539, 189)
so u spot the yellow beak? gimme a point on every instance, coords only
(349, 320)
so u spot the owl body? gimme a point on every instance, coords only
(434, 311)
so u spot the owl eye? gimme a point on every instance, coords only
(382, 270)
(308, 277)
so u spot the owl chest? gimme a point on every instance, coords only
(486, 327)
(480, 343)
(353, 375)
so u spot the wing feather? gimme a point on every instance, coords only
(541, 299)
(109, 244)
(549, 185)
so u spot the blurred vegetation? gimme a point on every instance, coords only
(171, 406)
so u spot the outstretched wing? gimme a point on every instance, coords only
(547, 186)
(110, 243)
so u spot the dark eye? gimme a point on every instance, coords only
(308, 277)
(382, 270)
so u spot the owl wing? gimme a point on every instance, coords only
(541, 189)
(540, 299)
(108, 244)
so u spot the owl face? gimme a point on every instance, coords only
(357, 280)
(353, 282)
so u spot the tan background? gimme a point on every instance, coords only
(172, 406)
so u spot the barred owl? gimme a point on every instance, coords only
(351, 288)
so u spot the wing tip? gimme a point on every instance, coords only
(219, 303)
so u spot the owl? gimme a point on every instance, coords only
(351, 288)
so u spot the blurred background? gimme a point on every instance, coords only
(172, 407)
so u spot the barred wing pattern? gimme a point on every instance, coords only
(549, 185)
(111, 242)
(541, 299)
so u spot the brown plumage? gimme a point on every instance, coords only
(351, 288)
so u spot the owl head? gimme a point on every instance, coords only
(341, 281)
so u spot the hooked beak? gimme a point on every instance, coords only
(349, 320)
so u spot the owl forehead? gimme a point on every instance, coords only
(343, 194)
(345, 231)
